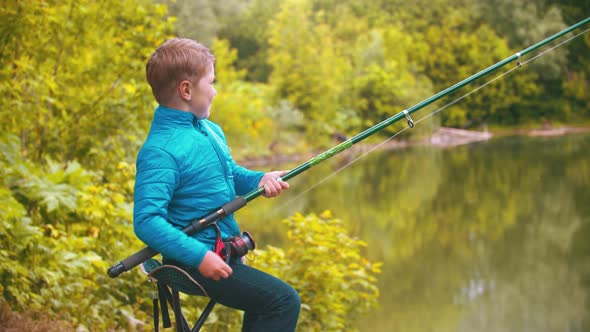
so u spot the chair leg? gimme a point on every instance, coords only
(204, 316)
(173, 298)
(181, 324)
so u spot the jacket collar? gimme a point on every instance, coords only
(173, 117)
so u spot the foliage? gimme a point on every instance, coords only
(286, 121)
(531, 21)
(203, 19)
(577, 85)
(71, 75)
(240, 108)
(350, 64)
(64, 232)
(326, 266)
(458, 54)
(300, 54)
(75, 109)
(248, 33)
(71, 94)
(63, 257)
(389, 78)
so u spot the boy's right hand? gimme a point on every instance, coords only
(213, 267)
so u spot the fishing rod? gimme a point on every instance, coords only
(241, 201)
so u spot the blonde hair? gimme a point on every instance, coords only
(176, 60)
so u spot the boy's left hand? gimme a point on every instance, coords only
(273, 184)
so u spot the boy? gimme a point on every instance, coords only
(185, 171)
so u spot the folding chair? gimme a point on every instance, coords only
(171, 280)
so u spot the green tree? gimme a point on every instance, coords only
(73, 104)
(309, 68)
(388, 78)
(460, 49)
(524, 23)
(71, 75)
(249, 34)
(203, 20)
(577, 82)
(240, 107)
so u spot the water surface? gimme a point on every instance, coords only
(491, 236)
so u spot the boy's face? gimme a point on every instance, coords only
(202, 94)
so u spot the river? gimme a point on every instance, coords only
(489, 236)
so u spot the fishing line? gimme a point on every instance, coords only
(431, 114)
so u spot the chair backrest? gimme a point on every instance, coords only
(173, 277)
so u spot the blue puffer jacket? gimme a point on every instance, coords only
(184, 172)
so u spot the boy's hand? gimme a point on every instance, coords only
(213, 267)
(273, 184)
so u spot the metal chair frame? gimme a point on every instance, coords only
(168, 294)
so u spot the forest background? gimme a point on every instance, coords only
(291, 74)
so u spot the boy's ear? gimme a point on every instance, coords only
(185, 90)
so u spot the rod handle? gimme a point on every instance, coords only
(131, 261)
(116, 270)
(147, 252)
(234, 205)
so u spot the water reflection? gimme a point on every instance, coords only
(483, 237)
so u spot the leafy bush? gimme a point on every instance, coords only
(325, 265)
(336, 284)
(61, 228)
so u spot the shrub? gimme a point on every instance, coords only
(324, 264)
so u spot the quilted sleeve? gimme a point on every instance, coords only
(156, 179)
(245, 180)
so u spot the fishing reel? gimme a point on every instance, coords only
(240, 244)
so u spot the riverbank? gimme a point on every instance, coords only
(551, 131)
(444, 137)
(453, 137)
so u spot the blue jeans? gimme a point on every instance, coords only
(269, 304)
